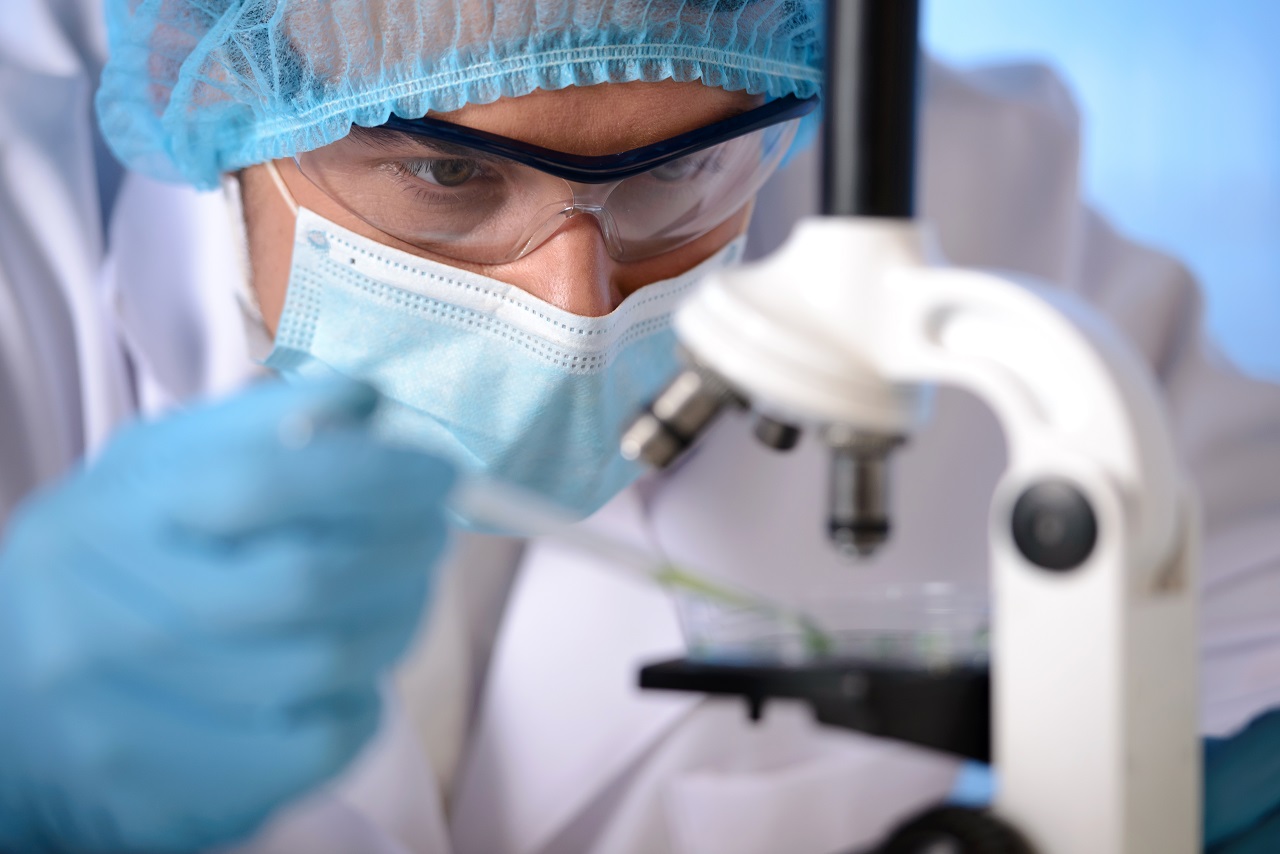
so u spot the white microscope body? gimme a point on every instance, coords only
(1093, 651)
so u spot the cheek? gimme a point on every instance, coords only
(271, 284)
(270, 256)
(632, 277)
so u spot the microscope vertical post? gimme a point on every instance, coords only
(869, 130)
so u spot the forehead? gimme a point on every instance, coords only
(605, 118)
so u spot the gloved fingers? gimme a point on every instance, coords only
(240, 676)
(1242, 778)
(236, 673)
(267, 415)
(291, 579)
(282, 582)
(170, 773)
(287, 751)
(342, 588)
(339, 476)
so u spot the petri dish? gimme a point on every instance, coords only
(927, 626)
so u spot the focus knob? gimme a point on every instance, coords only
(955, 830)
(1053, 525)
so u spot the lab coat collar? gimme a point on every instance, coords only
(52, 44)
(174, 293)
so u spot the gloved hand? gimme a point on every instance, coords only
(192, 629)
(1242, 789)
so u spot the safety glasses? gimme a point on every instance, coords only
(482, 198)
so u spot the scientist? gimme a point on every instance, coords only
(201, 603)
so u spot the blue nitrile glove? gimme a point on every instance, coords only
(1242, 789)
(192, 630)
(975, 785)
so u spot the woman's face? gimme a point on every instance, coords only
(572, 270)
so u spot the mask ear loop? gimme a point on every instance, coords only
(278, 179)
(751, 211)
(257, 338)
(234, 202)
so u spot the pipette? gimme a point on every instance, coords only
(513, 510)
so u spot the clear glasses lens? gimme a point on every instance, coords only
(434, 195)
(676, 203)
(472, 206)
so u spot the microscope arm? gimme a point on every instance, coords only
(846, 323)
(1093, 535)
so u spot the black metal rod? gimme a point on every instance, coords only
(869, 136)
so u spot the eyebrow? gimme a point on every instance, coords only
(385, 137)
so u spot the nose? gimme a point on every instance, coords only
(572, 270)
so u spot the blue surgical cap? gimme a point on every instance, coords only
(196, 88)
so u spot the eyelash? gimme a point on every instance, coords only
(703, 163)
(425, 190)
(706, 163)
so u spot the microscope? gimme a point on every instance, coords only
(1088, 707)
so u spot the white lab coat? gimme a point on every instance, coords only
(526, 702)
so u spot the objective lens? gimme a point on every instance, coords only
(677, 417)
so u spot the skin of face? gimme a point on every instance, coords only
(572, 270)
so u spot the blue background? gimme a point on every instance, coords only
(1181, 108)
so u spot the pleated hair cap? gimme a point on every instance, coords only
(197, 88)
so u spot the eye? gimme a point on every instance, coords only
(684, 168)
(450, 172)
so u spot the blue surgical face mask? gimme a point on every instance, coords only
(480, 372)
